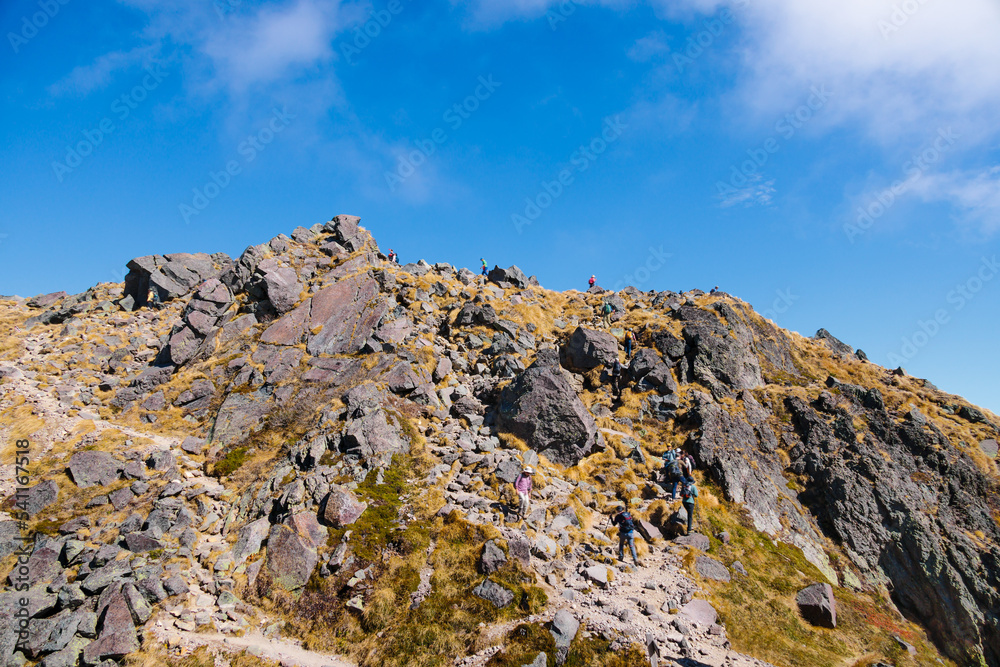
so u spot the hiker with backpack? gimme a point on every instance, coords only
(689, 492)
(629, 342)
(616, 379)
(592, 281)
(523, 486)
(673, 471)
(626, 530)
(606, 311)
(393, 257)
(687, 463)
(485, 272)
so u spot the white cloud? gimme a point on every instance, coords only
(648, 47)
(101, 72)
(975, 193)
(757, 192)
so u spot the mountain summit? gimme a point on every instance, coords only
(307, 456)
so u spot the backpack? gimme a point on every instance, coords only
(687, 493)
(607, 309)
(627, 524)
(674, 468)
(629, 337)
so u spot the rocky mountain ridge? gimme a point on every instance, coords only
(312, 441)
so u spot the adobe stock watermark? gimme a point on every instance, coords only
(744, 173)
(560, 13)
(914, 169)
(712, 29)
(455, 116)
(121, 109)
(900, 16)
(581, 159)
(958, 298)
(655, 261)
(32, 24)
(363, 35)
(248, 149)
(783, 302)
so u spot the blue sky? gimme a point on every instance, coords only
(835, 164)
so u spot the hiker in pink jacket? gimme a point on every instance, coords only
(523, 487)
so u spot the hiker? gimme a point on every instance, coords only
(688, 494)
(606, 311)
(673, 473)
(629, 342)
(592, 281)
(687, 463)
(393, 259)
(523, 486)
(616, 375)
(485, 272)
(153, 299)
(626, 530)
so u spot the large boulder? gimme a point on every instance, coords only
(372, 433)
(281, 283)
(93, 468)
(589, 349)
(721, 356)
(291, 551)
(818, 605)
(339, 319)
(492, 558)
(118, 635)
(341, 507)
(541, 408)
(836, 346)
(512, 277)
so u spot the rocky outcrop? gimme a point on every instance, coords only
(171, 276)
(541, 408)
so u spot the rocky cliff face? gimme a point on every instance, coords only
(309, 420)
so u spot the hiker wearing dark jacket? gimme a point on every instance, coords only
(629, 341)
(673, 472)
(626, 528)
(689, 492)
(616, 378)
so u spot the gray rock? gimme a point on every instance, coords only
(839, 348)
(817, 605)
(589, 349)
(92, 468)
(541, 660)
(250, 539)
(291, 551)
(493, 592)
(541, 408)
(512, 277)
(700, 612)
(492, 558)
(281, 283)
(989, 447)
(711, 569)
(695, 540)
(341, 507)
(564, 627)
(38, 497)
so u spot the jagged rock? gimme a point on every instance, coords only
(193, 445)
(589, 349)
(512, 277)
(818, 605)
(43, 565)
(93, 468)
(493, 592)
(341, 507)
(171, 276)
(118, 633)
(721, 357)
(541, 408)
(240, 415)
(38, 497)
(10, 538)
(492, 558)
(291, 551)
(836, 346)
(249, 540)
(281, 283)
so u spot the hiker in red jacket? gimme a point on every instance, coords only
(592, 281)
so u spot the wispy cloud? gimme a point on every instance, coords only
(974, 192)
(100, 73)
(757, 192)
(648, 47)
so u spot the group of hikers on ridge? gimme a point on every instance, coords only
(678, 468)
